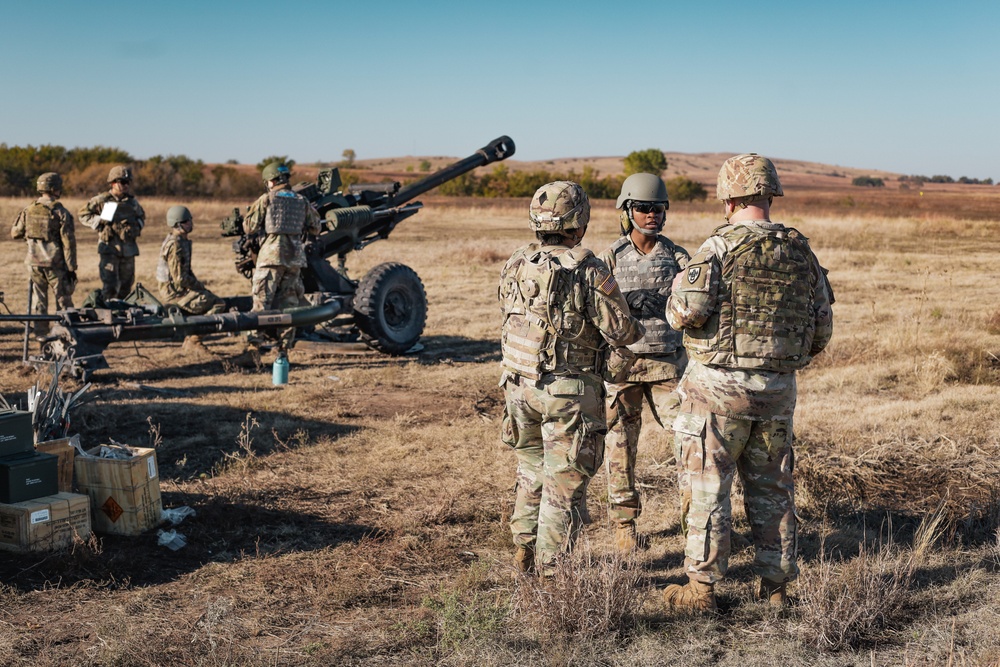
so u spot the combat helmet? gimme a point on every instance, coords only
(50, 181)
(559, 207)
(178, 214)
(275, 171)
(644, 188)
(748, 175)
(119, 173)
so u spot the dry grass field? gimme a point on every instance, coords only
(358, 516)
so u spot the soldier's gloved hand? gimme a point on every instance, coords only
(72, 277)
(635, 300)
(655, 305)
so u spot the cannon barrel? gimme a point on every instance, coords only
(500, 148)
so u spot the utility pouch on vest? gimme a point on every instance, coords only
(620, 360)
(37, 224)
(286, 213)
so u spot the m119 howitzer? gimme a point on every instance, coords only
(387, 308)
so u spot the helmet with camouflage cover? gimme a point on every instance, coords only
(49, 182)
(178, 214)
(642, 187)
(748, 175)
(119, 173)
(275, 171)
(560, 206)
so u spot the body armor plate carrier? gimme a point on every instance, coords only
(653, 274)
(39, 221)
(765, 318)
(286, 213)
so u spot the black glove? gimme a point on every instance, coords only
(72, 276)
(635, 299)
(655, 305)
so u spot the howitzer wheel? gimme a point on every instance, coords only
(390, 308)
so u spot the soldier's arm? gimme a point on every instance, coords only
(174, 265)
(67, 232)
(313, 222)
(17, 231)
(823, 312)
(140, 214)
(90, 213)
(695, 291)
(609, 311)
(253, 223)
(190, 281)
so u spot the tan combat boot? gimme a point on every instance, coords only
(774, 592)
(524, 560)
(693, 596)
(626, 539)
(193, 344)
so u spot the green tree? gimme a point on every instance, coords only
(868, 182)
(283, 159)
(425, 165)
(349, 156)
(649, 161)
(682, 188)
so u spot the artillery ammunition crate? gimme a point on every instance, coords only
(50, 522)
(124, 493)
(16, 434)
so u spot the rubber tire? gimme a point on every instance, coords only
(390, 308)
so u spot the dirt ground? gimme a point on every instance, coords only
(358, 515)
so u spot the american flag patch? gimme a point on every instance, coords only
(609, 284)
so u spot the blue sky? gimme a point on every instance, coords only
(908, 87)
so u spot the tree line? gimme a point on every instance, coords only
(85, 170)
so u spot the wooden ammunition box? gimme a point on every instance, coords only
(65, 452)
(124, 493)
(42, 524)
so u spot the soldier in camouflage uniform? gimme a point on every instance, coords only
(118, 219)
(644, 263)
(282, 217)
(178, 284)
(562, 313)
(755, 306)
(48, 228)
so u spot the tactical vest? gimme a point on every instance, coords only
(545, 329)
(652, 273)
(41, 223)
(764, 318)
(286, 213)
(162, 270)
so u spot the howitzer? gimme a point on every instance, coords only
(79, 336)
(387, 308)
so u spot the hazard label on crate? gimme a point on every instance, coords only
(112, 509)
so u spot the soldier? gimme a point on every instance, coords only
(282, 216)
(51, 261)
(755, 306)
(644, 263)
(118, 219)
(178, 284)
(562, 309)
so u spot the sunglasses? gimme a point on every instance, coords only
(123, 181)
(646, 207)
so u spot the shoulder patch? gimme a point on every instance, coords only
(608, 285)
(693, 274)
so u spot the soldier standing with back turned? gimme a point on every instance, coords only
(282, 217)
(118, 219)
(48, 228)
(562, 312)
(755, 306)
(644, 263)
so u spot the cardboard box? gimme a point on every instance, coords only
(41, 524)
(16, 435)
(28, 476)
(64, 451)
(124, 493)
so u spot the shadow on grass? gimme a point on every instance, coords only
(225, 530)
(196, 438)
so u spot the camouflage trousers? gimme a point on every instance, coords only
(117, 275)
(43, 278)
(277, 288)
(711, 449)
(194, 302)
(557, 432)
(622, 441)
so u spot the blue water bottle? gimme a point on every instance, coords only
(279, 370)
